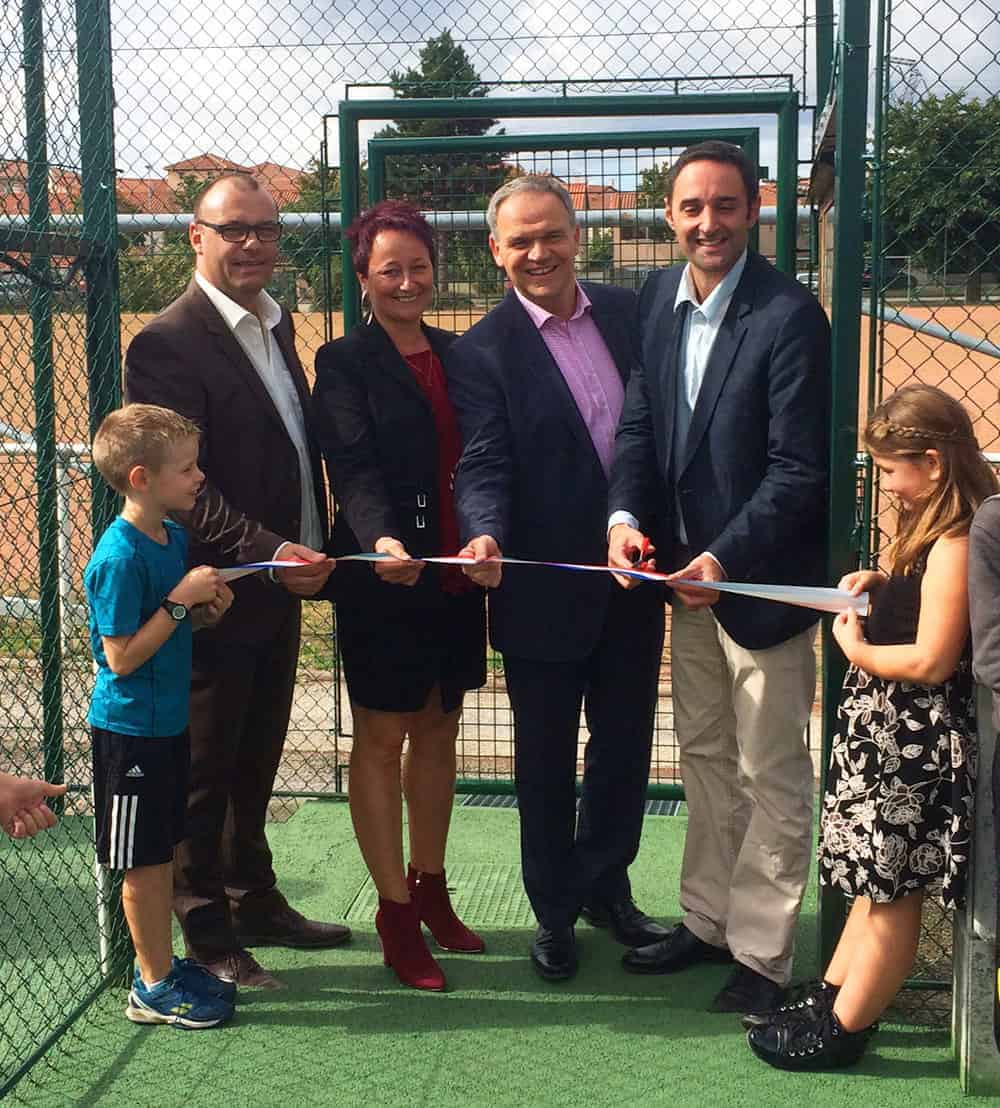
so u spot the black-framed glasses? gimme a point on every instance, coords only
(240, 232)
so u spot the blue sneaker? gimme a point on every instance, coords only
(200, 979)
(174, 1002)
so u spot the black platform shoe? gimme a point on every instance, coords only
(808, 1042)
(810, 996)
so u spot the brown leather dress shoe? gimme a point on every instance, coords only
(286, 927)
(243, 969)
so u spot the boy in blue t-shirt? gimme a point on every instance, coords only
(144, 604)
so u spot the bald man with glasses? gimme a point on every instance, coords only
(223, 354)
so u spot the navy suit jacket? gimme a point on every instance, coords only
(753, 480)
(530, 477)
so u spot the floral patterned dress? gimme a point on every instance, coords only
(897, 813)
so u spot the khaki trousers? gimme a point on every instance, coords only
(741, 718)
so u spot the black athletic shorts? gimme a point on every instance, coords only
(140, 797)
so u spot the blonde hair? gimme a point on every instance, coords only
(915, 419)
(137, 435)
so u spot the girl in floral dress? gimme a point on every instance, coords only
(897, 811)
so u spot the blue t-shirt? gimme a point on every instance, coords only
(126, 580)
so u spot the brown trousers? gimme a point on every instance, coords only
(241, 699)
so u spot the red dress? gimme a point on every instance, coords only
(429, 374)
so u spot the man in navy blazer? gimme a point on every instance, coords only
(538, 386)
(721, 456)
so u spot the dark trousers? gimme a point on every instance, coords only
(569, 860)
(241, 699)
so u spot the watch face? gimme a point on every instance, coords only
(176, 611)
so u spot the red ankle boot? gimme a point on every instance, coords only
(430, 894)
(403, 946)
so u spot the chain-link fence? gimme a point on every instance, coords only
(197, 91)
(61, 937)
(935, 259)
(929, 271)
(202, 90)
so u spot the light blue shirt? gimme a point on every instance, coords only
(701, 328)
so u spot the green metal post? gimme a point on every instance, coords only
(100, 231)
(349, 206)
(876, 296)
(824, 49)
(103, 341)
(376, 176)
(752, 150)
(849, 191)
(36, 148)
(324, 204)
(787, 225)
(602, 140)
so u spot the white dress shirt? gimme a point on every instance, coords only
(256, 337)
(701, 328)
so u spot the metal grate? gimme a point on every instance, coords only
(482, 895)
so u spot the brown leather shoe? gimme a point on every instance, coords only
(286, 927)
(243, 969)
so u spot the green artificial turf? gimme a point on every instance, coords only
(345, 1032)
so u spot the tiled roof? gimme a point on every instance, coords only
(587, 197)
(151, 195)
(282, 181)
(206, 163)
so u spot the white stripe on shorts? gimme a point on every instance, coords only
(124, 812)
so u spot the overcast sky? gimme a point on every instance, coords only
(252, 79)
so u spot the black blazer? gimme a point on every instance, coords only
(753, 480)
(377, 434)
(188, 359)
(530, 477)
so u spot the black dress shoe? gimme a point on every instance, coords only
(553, 953)
(810, 998)
(286, 927)
(748, 991)
(805, 1043)
(629, 925)
(680, 949)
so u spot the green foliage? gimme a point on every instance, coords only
(188, 191)
(442, 181)
(652, 193)
(600, 248)
(148, 282)
(943, 186)
(652, 189)
(304, 250)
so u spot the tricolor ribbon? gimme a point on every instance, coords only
(802, 596)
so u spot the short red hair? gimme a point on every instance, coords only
(386, 215)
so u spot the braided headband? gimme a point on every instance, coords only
(882, 427)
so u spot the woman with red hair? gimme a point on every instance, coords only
(412, 636)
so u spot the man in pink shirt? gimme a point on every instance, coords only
(538, 386)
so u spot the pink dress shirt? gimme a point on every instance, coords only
(587, 368)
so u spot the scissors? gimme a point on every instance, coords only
(640, 555)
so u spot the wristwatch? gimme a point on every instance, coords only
(175, 609)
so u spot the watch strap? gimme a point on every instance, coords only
(177, 611)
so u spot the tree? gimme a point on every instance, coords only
(651, 193)
(942, 185)
(445, 71)
(446, 182)
(305, 250)
(600, 248)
